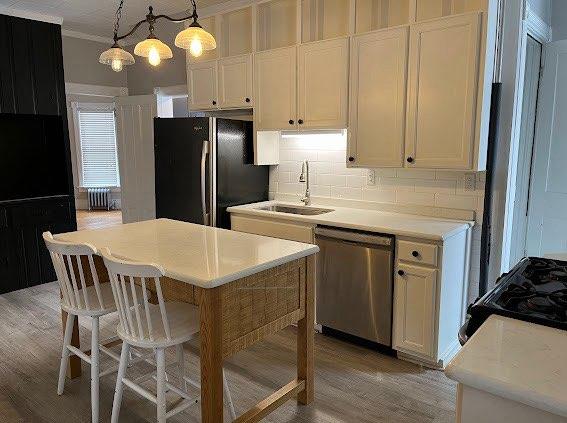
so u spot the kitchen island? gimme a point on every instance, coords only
(246, 286)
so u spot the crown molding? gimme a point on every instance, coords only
(83, 36)
(26, 14)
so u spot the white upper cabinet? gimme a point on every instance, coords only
(235, 82)
(275, 89)
(443, 90)
(378, 73)
(202, 85)
(323, 84)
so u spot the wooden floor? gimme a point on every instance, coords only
(98, 219)
(353, 384)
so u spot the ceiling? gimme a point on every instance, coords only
(96, 17)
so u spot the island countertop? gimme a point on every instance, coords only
(200, 255)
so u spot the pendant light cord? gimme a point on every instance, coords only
(117, 23)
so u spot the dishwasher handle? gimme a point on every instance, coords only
(366, 238)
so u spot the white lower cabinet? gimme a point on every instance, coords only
(414, 309)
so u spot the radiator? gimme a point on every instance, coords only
(99, 198)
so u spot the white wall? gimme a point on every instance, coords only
(330, 178)
(559, 19)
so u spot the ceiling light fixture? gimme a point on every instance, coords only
(194, 38)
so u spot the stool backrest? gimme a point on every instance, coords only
(134, 312)
(68, 264)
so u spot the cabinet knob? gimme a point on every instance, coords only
(415, 253)
(410, 159)
(247, 100)
(300, 121)
(401, 272)
(214, 103)
(291, 121)
(351, 159)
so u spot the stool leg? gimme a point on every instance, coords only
(119, 384)
(65, 353)
(161, 406)
(181, 365)
(95, 368)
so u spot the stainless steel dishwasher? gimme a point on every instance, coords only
(355, 283)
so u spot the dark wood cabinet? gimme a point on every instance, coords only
(31, 71)
(32, 82)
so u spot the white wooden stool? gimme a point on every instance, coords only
(152, 326)
(80, 298)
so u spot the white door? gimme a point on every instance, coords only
(547, 212)
(202, 85)
(442, 92)
(275, 89)
(135, 144)
(323, 84)
(235, 82)
(378, 75)
(414, 309)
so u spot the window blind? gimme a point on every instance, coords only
(99, 164)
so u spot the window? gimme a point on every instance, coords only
(96, 135)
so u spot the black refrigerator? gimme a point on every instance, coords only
(204, 165)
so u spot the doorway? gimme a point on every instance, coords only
(526, 149)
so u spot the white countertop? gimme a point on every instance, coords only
(517, 360)
(196, 254)
(366, 220)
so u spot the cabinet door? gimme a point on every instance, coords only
(414, 309)
(235, 82)
(275, 89)
(443, 90)
(202, 85)
(378, 98)
(323, 84)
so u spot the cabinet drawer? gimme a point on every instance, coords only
(283, 230)
(417, 252)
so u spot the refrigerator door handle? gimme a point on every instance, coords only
(204, 153)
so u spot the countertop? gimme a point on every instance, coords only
(366, 220)
(517, 360)
(200, 255)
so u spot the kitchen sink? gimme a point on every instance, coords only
(306, 211)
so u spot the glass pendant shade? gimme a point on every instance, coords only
(153, 49)
(195, 39)
(116, 57)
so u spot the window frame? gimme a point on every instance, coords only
(91, 107)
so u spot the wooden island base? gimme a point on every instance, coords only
(235, 316)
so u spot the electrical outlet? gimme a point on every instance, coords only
(371, 177)
(470, 182)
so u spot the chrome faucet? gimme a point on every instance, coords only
(304, 177)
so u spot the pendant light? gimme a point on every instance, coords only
(194, 38)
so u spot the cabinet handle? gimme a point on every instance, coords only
(300, 121)
(247, 100)
(401, 272)
(415, 253)
(351, 159)
(214, 103)
(410, 159)
(291, 121)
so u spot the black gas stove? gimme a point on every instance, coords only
(535, 290)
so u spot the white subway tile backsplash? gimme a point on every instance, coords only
(442, 186)
(378, 195)
(290, 187)
(331, 156)
(419, 198)
(415, 173)
(321, 190)
(300, 155)
(397, 184)
(333, 180)
(289, 166)
(355, 181)
(346, 193)
(455, 201)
